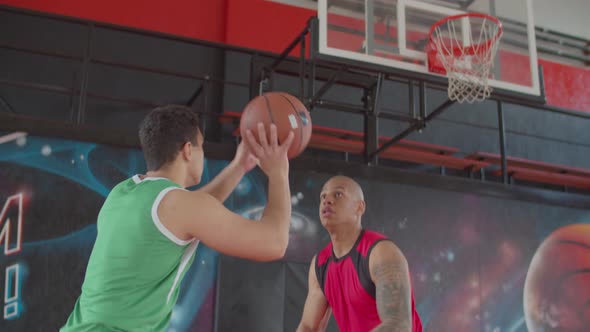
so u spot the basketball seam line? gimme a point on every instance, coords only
(272, 120)
(296, 119)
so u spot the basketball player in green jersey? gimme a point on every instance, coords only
(150, 226)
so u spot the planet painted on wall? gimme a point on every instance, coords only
(557, 286)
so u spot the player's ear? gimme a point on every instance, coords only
(186, 150)
(361, 207)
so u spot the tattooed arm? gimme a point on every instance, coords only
(389, 272)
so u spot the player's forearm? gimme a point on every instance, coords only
(225, 182)
(278, 209)
(302, 328)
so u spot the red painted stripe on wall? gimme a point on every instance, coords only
(202, 19)
(264, 25)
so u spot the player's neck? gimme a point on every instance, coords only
(172, 173)
(344, 238)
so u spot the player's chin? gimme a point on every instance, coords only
(326, 220)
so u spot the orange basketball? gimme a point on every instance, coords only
(557, 286)
(286, 112)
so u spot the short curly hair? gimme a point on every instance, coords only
(164, 131)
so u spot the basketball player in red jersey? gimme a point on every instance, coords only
(360, 276)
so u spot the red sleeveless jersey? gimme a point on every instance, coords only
(347, 285)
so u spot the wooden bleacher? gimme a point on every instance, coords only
(558, 179)
(537, 171)
(346, 141)
(406, 150)
(358, 136)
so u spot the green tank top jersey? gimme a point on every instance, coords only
(136, 266)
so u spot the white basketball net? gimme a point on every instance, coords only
(466, 46)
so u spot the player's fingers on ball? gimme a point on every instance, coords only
(255, 148)
(262, 135)
(274, 141)
(287, 143)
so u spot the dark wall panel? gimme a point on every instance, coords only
(251, 295)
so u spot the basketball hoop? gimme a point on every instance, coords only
(463, 47)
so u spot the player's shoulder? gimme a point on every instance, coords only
(182, 197)
(123, 187)
(368, 241)
(124, 184)
(369, 235)
(386, 251)
(187, 212)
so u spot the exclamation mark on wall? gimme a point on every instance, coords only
(12, 292)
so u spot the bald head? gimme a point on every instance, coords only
(348, 184)
(342, 203)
